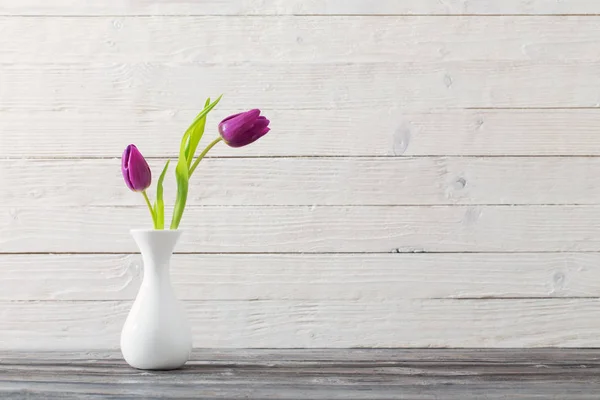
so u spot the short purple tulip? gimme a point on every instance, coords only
(244, 128)
(135, 169)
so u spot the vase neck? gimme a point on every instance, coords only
(156, 247)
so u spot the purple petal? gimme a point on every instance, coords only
(125, 166)
(234, 126)
(258, 130)
(260, 124)
(125, 158)
(135, 169)
(243, 119)
(231, 116)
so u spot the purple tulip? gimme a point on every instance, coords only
(135, 169)
(242, 129)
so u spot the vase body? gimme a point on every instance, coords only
(156, 334)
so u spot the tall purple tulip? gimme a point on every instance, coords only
(244, 128)
(135, 169)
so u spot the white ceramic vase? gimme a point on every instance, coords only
(156, 334)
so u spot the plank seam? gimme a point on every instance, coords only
(297, 15)
(310, 156)
(316, 301)
(313, 206)
(416, 252)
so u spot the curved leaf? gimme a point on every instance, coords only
(189, 144)
(159, 204)
(196, 135)
(182, 178)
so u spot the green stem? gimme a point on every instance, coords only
(201, 156)
(150, 208)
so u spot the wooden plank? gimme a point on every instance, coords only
(310, 229)
(341, 357)
(299, 7)
(314, 277)
(258, 324)
(68, 390)
(376, 132)
(115, 87)
(315, 181)
(497, 133)
(309, 374)
(328, 374)
(293, 39)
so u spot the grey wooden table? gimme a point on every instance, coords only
(310, 374)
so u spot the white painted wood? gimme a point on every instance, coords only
(315, 181)
(293, 39)
(115, 87)
(298, 7)
(384, 132)
(403, 86)
(238, 324)
(309, 229)
(310, 277)
(497, 133)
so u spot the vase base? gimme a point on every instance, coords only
(155, 366)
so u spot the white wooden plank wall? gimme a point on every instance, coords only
(431, 179)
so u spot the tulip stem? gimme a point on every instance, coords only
(150, 208)
(201, 156)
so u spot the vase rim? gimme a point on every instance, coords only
(162, 231)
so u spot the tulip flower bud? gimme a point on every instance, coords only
(135, 169)
(242, 129)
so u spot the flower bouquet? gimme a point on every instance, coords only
(156, 334)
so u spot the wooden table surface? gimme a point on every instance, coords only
(310, 374)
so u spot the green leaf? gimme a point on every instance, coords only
(159, 204)
(181, 175)
(182, 178)
(204, 112)
(197, 130)
(188, 146)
